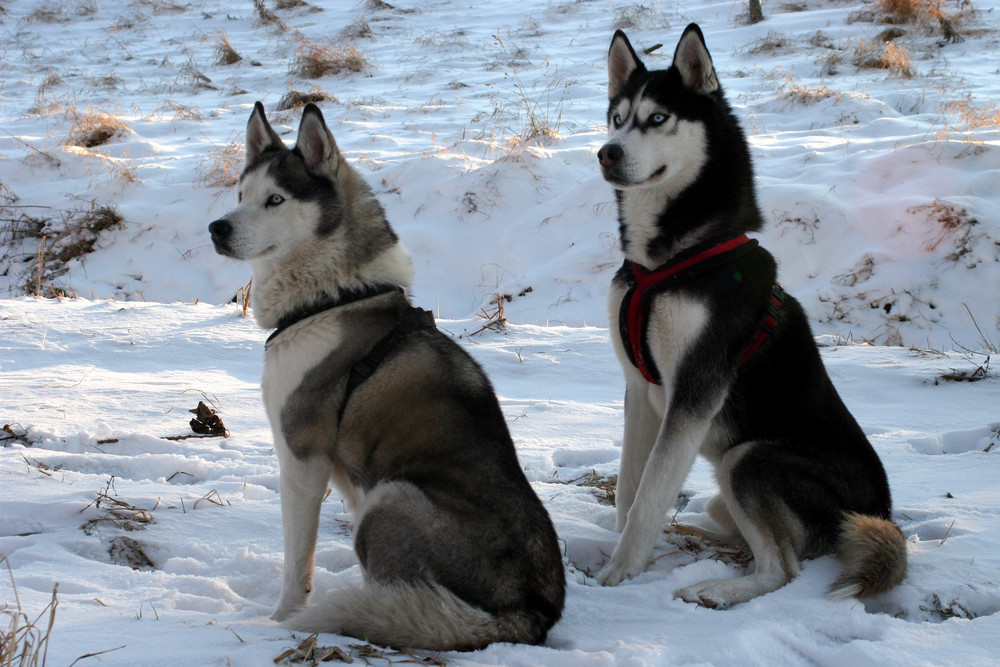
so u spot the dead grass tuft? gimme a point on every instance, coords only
(129, 552)
(286, 5)
(495, 318)
(604, 486)
(183, 111)
(950, 221)
(887, 56)
(639, 16)
(267, 18)
(902, 11)
(772, 41)
(225, 53)
(26, 642)
(117, 512)
(225, 163)
(313, 60)
(358, 29)
(163, 6)
(946, 16)
(49, 13)
(94, 127)
(294, 99)
(975, 116)
(42, 247)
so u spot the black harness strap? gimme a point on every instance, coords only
(327, 302)
(413, 319)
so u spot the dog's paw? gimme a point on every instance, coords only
(614, 573)
(702, 595)
(283, 613)
(288, 608)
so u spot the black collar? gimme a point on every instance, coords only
(325, 302)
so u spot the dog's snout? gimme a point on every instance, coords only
(220, 229)
(609, 154)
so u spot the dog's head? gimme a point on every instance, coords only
(656, 119)
(286, 196)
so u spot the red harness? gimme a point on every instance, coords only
(632, 322)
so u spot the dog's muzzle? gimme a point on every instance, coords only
(610, 155)
(610, 158)
(221, 230)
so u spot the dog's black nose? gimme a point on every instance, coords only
(220, 229)
(609, 154)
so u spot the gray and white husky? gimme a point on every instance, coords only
(362, 390)
(718, 361)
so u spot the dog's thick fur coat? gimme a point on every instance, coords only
(797, 477)
(457, 550)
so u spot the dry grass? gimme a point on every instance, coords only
(522, 115)
(42, 247)
(861, 272)
(975, 116)
(294, 99)
(771, 42)
(163, 6)
(495, 318)
(267, 18)
(310, 652)
(357, 29)
(635, 16)
(950, 222)
(183, 111)
(946, 16)
(313, 60)
(225, 53)
(790, 89)
(94, 127)
(604, 485)
(26, 642)
(887, 56)
(225, 163)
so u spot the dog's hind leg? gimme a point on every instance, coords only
(407, 548)
(762, 514)
(641, 426)
(303, 485)
(728, 531)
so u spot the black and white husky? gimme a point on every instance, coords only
(718, 360)
(362, 390)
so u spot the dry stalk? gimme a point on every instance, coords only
(25, 643)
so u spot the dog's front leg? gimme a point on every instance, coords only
(303, 485)
(672, 456)
(642, 422)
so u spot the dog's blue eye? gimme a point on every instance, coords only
(274, 200)
(657, 119)
(616, 121)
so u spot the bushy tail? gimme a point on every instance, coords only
(414, 615)
(873, 552)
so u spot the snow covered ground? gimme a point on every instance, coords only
(884, 204)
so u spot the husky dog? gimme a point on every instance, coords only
(718, 361)
(362, 390)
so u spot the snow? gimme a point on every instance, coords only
(858, 186)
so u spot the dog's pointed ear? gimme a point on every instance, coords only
(315, 143)
(260, 136)
(694, 62)
(622, 61)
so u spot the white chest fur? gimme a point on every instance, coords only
(675, 322)
(288, 358)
